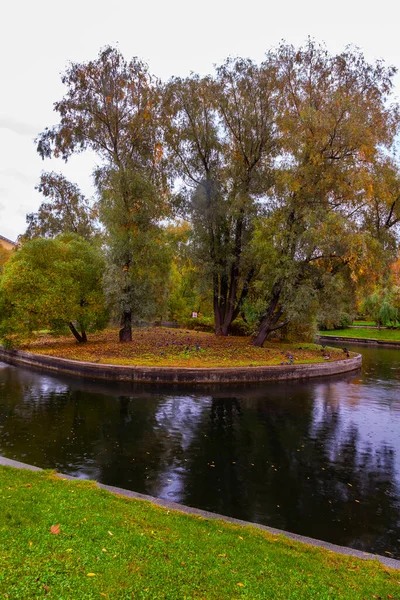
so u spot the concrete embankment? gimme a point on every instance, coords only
(139, 374)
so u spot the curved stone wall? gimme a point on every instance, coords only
(139, 374)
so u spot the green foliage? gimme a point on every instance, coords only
(221, 141)
(382, 306)
(186, 294)
(110, 107)
(5, 255)
(287, 177)
(138, 258)
(198, 324)
(320, 188)
(50, 283)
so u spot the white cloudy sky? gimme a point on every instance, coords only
(38, 39)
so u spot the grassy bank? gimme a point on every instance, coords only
(159, 346)
(63, 539)
(385, 335)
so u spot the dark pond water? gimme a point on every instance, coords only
(319, 458)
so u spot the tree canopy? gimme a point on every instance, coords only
(53, 284)
(111, 107)
(284, 171)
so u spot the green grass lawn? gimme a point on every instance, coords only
(365, 323)
(389, 335)
(71, 540)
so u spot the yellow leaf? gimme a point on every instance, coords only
(91, 575)
(240, 584)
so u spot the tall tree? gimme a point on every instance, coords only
(333, 117)
(110, 107)
(221, 136)
(66, 211)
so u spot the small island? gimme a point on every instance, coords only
(169, 355)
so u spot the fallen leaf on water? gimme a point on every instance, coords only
(55, 529)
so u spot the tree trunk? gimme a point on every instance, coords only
(262, 334)
(269, 322)
(218, 319)
(227, 304)
(81, 338)
(125, 334)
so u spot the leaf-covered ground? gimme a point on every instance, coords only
(159, 346)
(71, 540)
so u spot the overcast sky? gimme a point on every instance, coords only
(174, 37)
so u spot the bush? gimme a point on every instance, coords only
(199, 324)
(296, 331)
(342, 321)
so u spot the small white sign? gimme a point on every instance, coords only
(194, 315)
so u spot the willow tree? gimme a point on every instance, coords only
(110, 108)
(334, 118)
(221, 138)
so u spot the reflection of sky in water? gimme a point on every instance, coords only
(320, 435)
(373, 411)
(180, 416)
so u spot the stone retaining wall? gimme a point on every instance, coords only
(139, 374)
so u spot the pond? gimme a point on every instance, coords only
(320, 458)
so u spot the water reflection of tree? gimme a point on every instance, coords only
(261, 464)
(77, 431)
(261, 453)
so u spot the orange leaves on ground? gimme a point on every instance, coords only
(160, 346)
(55, 529)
